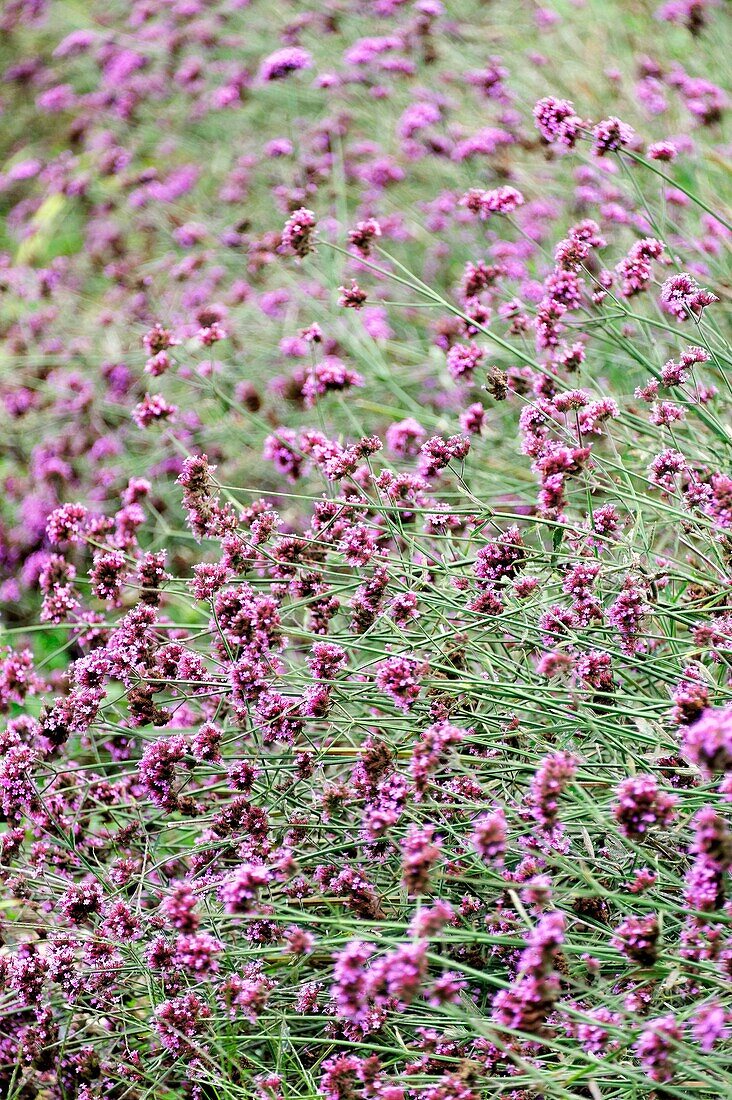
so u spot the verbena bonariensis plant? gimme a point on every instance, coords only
(402, 768)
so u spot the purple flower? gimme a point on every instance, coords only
(708, 741)
(239, 892)
(151, 409)
(328, 376)
(281, 63)
(527, 1002)
(463, 360)
(400, 678)
(637, 938)
(502, 200)
(642, 806)
(682, 295)
(610, 135)
(489, 836)
(657, 1046)
(299, 232)
(420, 851)
(709, 1024)
(179, 1022)
(556, 121)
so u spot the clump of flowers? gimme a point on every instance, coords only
(366, 714)
(642, 806)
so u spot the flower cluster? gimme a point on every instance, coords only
(364, 553)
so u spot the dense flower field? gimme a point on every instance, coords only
(365, 550)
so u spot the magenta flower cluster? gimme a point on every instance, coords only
(364, 552)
